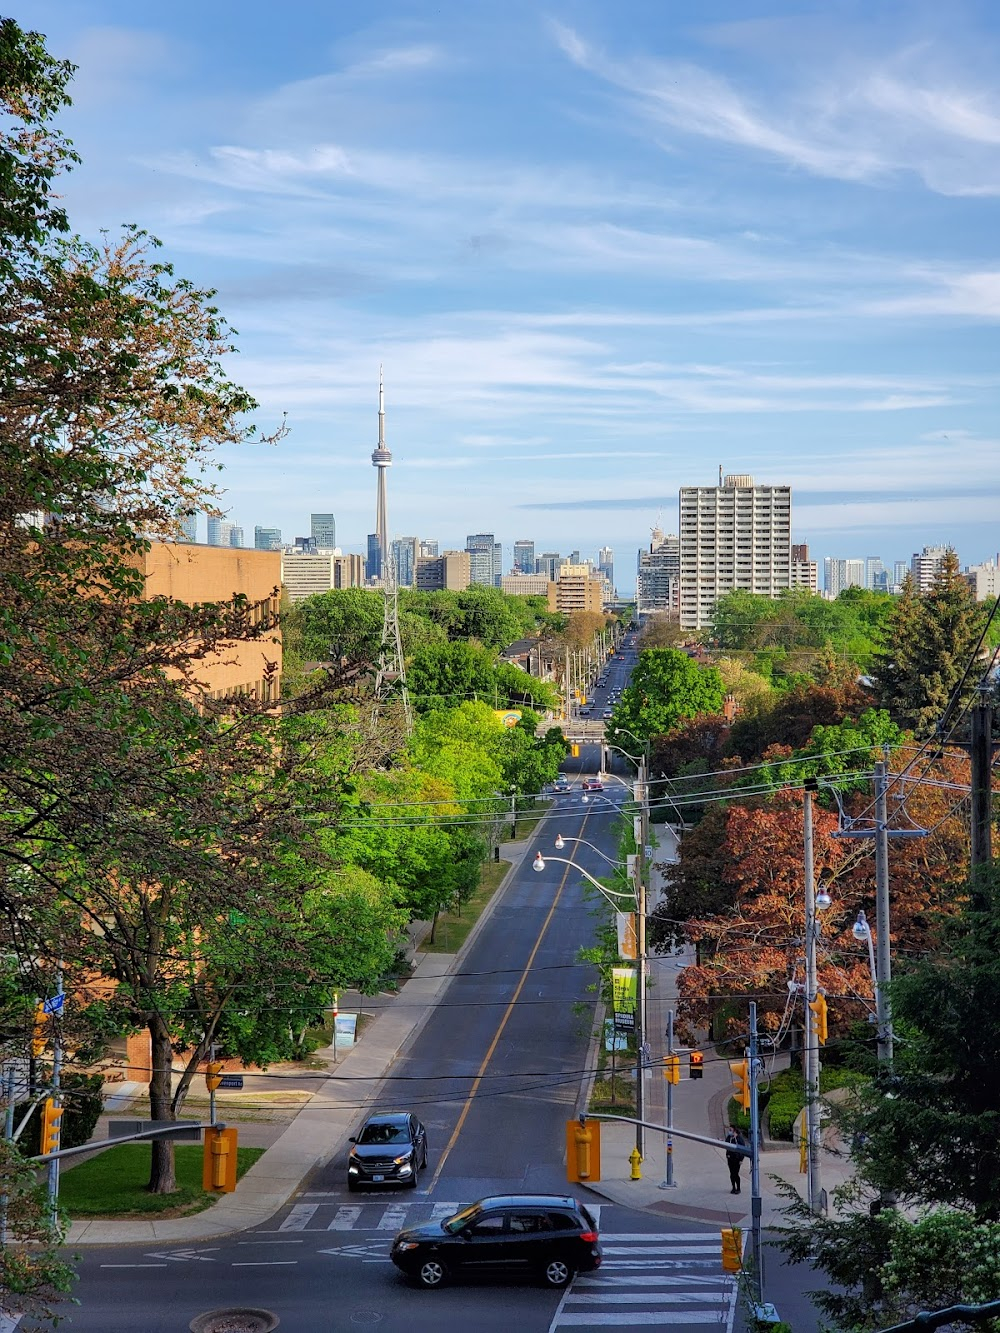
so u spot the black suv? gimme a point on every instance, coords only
(389, 1149)
(550, 1236)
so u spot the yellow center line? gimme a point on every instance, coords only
(503, 1023)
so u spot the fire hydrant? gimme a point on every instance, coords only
(635, 1157)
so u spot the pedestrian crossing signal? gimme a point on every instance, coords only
(697, 1068)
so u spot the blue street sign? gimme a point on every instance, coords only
(53, 1006)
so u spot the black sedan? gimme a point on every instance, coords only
(548, 1236)
(389, 1149)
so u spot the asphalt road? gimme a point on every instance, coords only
(494, 1074)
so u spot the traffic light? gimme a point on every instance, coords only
(51, 1118)
(740, 1070)
(583, 1151)
(213, 1075)
(697, 1068)
(818, 1006)
(38, 1042)
(672, 1068)
(218, 1174)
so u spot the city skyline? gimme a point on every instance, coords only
(600, 253)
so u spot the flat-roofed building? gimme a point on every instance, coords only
(525, 585)
(450, 570)
(736, 535)
(576, 589)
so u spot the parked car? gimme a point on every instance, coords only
(389, 1149)
(593, 784)
(550, 1236)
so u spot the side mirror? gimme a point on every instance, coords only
(352, 1139)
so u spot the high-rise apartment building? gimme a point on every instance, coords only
(525, 585)
(576, 589)
(804, 572)
(926, 565)
(524, 557)
(984, 579)
(658, 574)
(899, 572)
(841, 574)
(304, 573)
(404, 553)
(428, 548)
(734, 535)
(323, 528)
(485, 559)
(266, 539)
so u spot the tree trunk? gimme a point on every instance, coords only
(162, 1179)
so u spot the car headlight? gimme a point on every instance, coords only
(352, 1169)
(406, 1245)
(398, 1161)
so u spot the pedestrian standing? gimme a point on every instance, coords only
(734, 1160)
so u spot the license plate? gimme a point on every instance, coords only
(378, 1177)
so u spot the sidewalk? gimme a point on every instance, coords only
(701, 1190)
(314, 1137)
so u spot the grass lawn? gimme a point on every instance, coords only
(112, 1184)
(453, 927)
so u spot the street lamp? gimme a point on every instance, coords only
(862, 932)
(561, 842)
(540, 862)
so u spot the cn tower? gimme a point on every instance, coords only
(381, 459)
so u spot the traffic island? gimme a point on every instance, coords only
(239, 1320)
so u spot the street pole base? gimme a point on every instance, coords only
(667, 1185)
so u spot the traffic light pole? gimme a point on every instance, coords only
(53, 1172)
(641, 794)
(811, 1050)
(883, 955)
(668, 1179)
(755, 1200)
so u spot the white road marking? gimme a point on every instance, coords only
(440, 1211)
(123, 1266)
(394, 1217)
(8, 1322)
(660, 1318)
(266, 1263)
(344, 1219)
(299, 1217)
(270, 1242)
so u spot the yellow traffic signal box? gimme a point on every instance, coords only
(818, 1006)
(218, 1172)
(583, 1151)
(51, 1126)
(740, 1070)
(672, 1068)
(697, 1068)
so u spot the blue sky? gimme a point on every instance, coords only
(600, 249)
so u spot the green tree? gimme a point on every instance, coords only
(666, 686)
(929, 643)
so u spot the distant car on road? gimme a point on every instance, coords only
(561, 786)
(593, 784)
(607, 713)
(550, 1236)
(585, 711)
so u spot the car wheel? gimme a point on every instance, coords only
(431, 1273)
(424, 1161)
(557, 1273)
(352, 1185)
(414, 1179)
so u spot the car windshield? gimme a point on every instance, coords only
(462, 1219)
(383, 1133)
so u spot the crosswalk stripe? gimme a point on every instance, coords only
(649, 1317)
(610, 1248)
(393, 1218)
(664, 1280)
(645, 1298)
(662, 1236)
(442, 1210)
(299, 1217)
(344, 1219)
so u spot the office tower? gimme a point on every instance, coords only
(926, 566)
(404, 553)
(266, 539)
(658, 581)
(573, 558)
(734, 535)
(524, 557)
(304, 545)
(804, 572)
(220, 531)
(305, 573)
(373, 563)
(189, 528)
(900, 569)
(428, 548)
(485, 559)
(525, 585)
(841, 574)
(381, 460)
(324, 531)
(450, 570)
(235, 535)
(606, 564)
(548, 564)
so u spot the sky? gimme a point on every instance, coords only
(600, 249)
